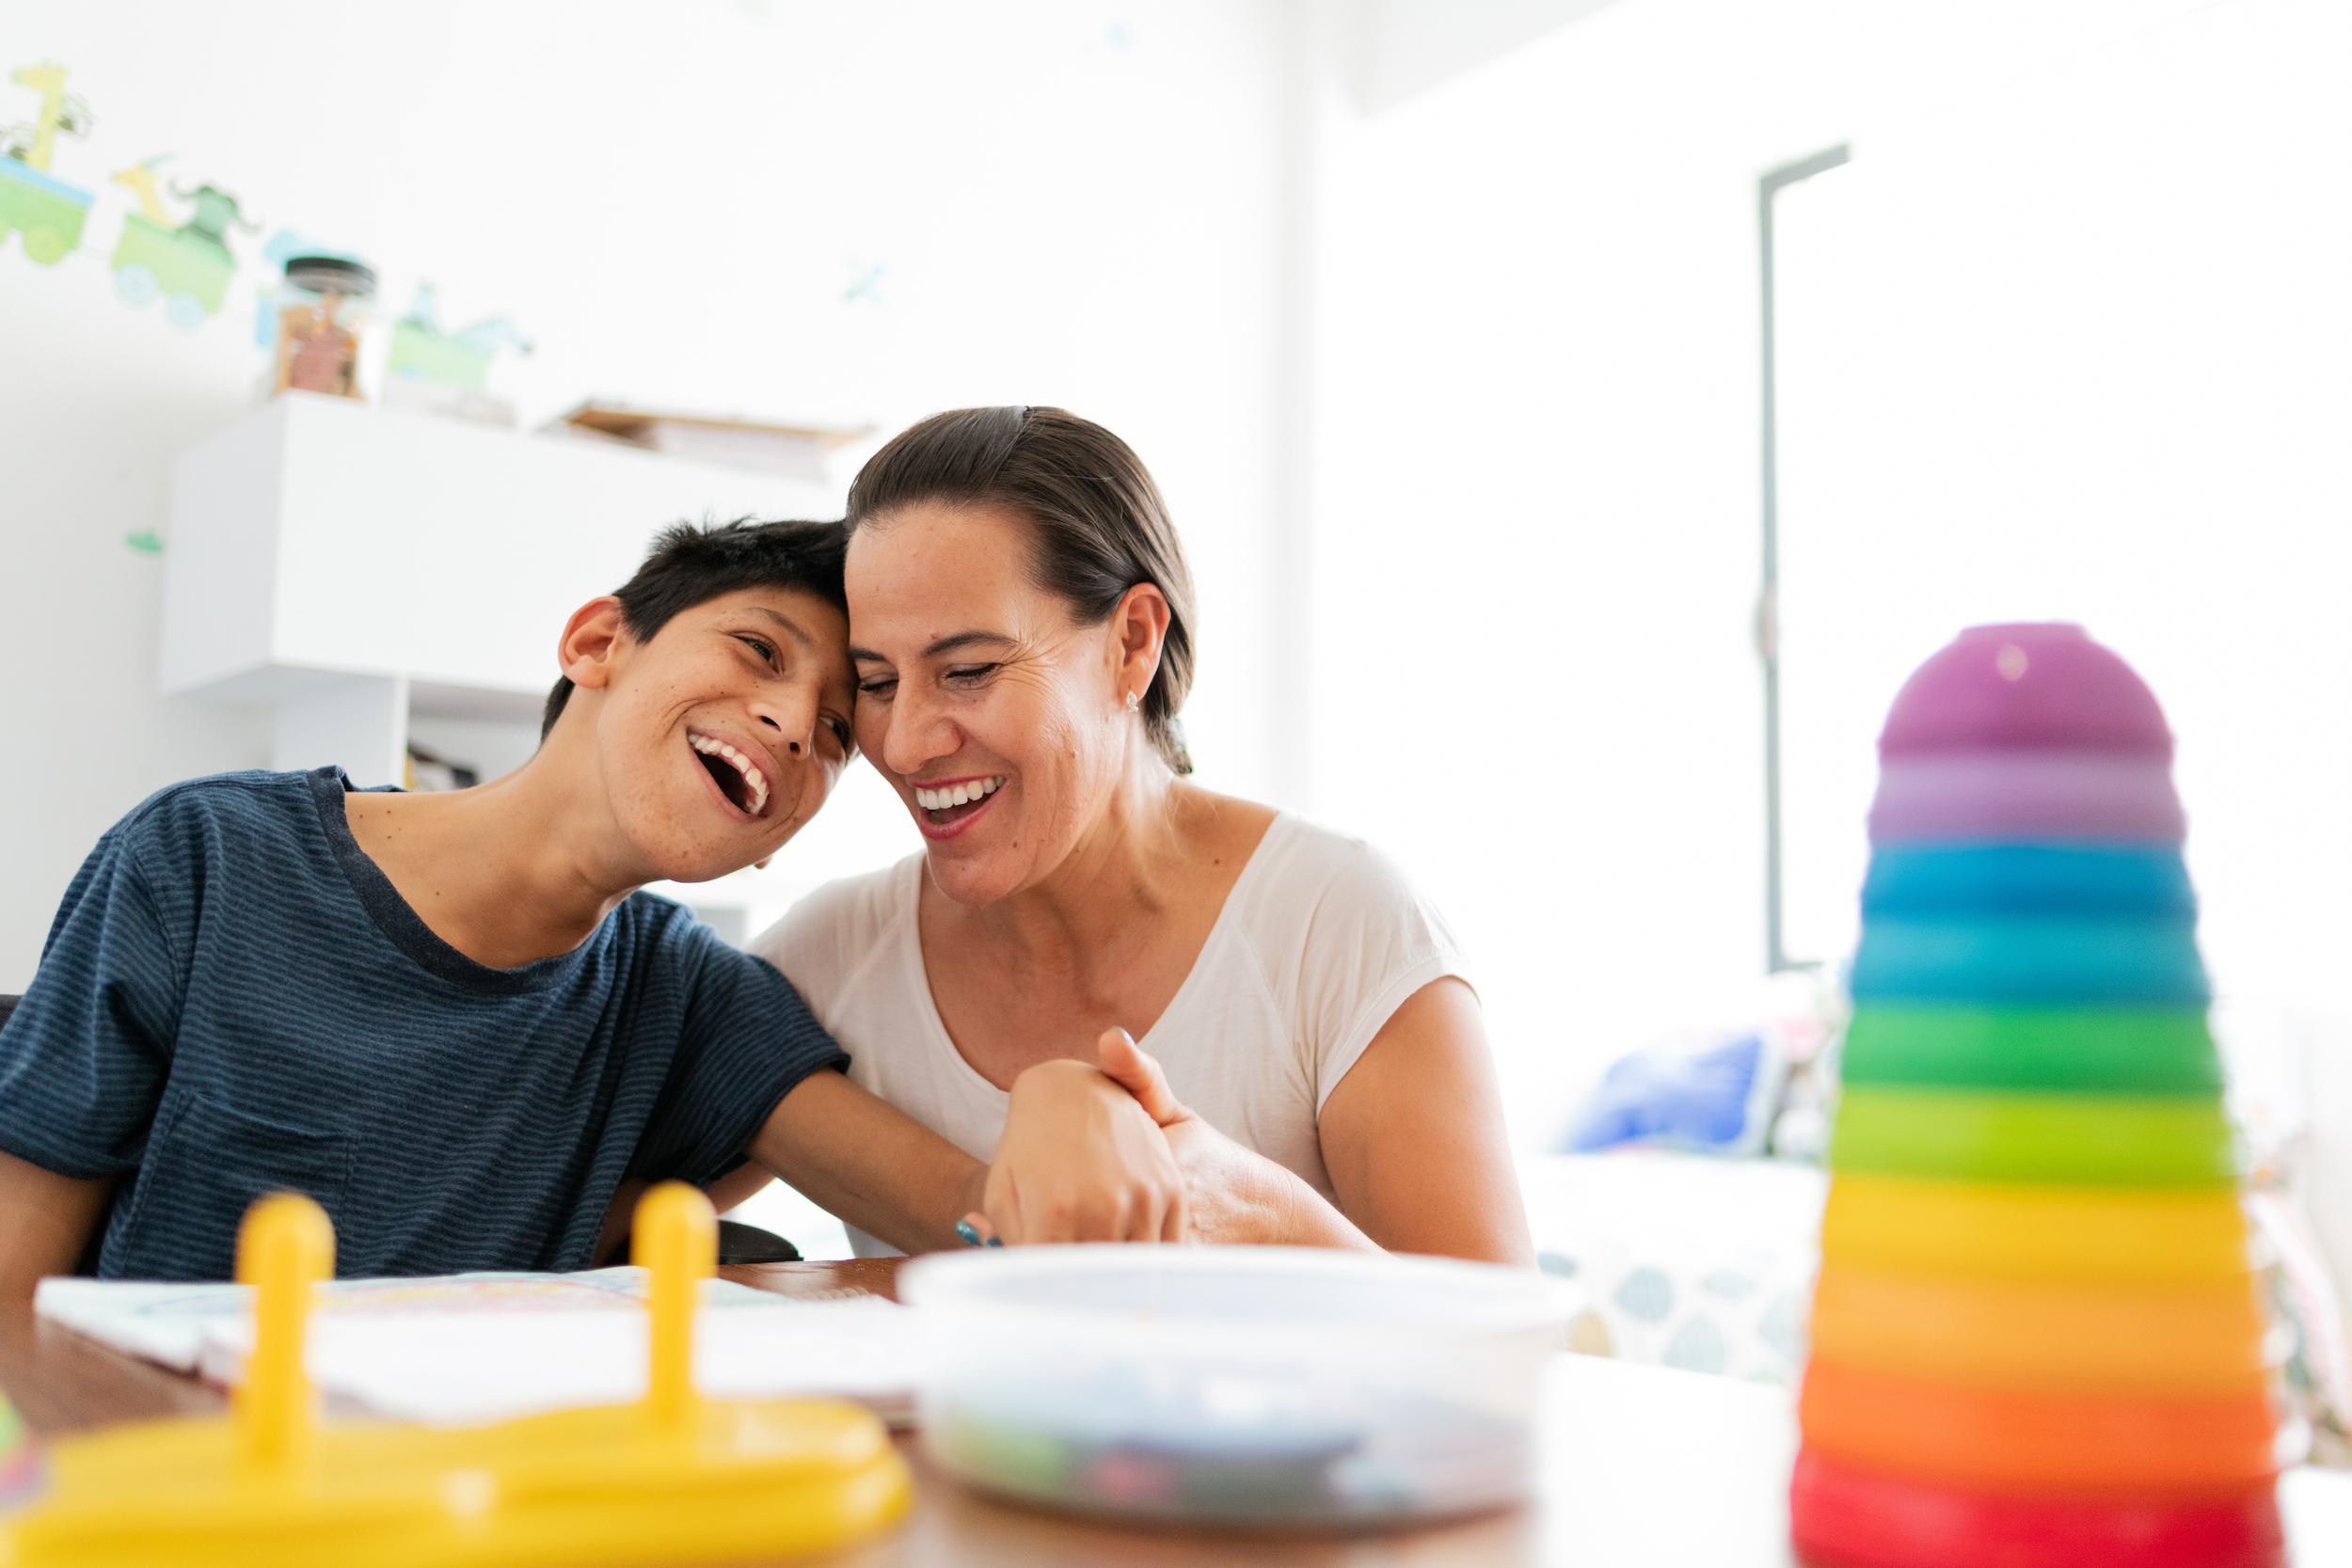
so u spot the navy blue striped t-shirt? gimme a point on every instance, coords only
(234, 1000)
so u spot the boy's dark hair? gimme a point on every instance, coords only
(691, 564)
(1098, 523)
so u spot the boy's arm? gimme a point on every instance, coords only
(45, 1223)
(870, 1163)
(1079, 1160)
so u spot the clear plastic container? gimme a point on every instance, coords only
(1236, 1386)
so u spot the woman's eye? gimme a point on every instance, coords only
(840, 732)
(766, 650)
(973, 674)
(879, 688)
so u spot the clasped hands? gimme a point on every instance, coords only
(1091, 1152)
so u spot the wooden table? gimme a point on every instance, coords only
(1641, 1465)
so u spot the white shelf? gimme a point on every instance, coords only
(348, 567)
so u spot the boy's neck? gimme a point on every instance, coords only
(508, 872)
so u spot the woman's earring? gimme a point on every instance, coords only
(1134, 702)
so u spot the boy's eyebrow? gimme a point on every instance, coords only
(945, 646)
(787, 623)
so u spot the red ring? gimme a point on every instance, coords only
(1842, 1517)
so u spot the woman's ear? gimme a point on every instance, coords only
(590, 637)
(1139, 627)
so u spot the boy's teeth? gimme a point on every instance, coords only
(957, 794)
(741, 764)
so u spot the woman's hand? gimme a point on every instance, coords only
(1083, 1159)
(1234, 1194)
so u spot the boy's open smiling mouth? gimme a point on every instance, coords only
(741, 778)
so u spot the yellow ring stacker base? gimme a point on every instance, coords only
(2005, 1230)
(672, 1479)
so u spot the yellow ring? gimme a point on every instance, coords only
(2012, 1230)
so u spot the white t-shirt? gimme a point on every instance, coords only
(1319, 942)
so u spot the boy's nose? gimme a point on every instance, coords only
(794, 728)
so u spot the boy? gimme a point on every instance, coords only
(452, 1018)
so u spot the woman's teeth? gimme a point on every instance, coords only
(957, 794)
(754, 779)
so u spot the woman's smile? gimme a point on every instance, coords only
(945, 808)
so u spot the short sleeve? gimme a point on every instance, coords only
(1370, 943)
(827, 937)
(84, 1056)
(747, 1039)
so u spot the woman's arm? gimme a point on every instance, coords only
(1412, 1136)
(1414, 1140)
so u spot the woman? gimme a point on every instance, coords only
(1020, 622)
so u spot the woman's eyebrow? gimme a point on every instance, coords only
(945, 646)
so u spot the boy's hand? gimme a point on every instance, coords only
(1083, 1159)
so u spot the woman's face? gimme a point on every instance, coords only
(998, 720)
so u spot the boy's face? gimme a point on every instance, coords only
(723, 732)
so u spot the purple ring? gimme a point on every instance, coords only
(2020, 796)
(2025, 687)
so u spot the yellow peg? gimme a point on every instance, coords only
(674, 1477)
(285, 1247)
(675, 1237)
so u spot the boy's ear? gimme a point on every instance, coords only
(590, 639)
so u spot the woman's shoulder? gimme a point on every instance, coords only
(1341, 938)
(840, 924)
(1303, 867)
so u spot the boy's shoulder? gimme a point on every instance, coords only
(195, 812)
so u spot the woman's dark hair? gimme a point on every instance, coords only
(1099, 522)
(689, 565)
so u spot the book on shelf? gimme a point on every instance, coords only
(730, 441)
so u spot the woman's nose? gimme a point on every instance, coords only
(914, 735)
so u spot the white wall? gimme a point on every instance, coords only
(1536, 370)
(1535, 470)
(1074, 202)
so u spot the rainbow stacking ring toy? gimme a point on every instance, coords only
(2036, 1338)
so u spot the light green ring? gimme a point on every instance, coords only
(2087, 1139)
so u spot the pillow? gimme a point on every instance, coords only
(1714, 1096)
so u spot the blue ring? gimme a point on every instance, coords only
(2027, 879)
(2031, 958)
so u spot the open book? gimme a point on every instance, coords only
(465, 1348)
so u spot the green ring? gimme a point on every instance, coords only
(2086, 1139)
(2151, 1051)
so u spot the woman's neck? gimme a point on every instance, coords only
(1131, 860)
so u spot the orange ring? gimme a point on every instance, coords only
(2054, 1337)
(2021, 1230)
(2064, 1444)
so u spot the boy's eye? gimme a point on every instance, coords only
(840, 728)
(879, 688)
(766, 650)
(970, 674)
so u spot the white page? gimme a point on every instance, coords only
(166, 1323)
(451, 1368)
